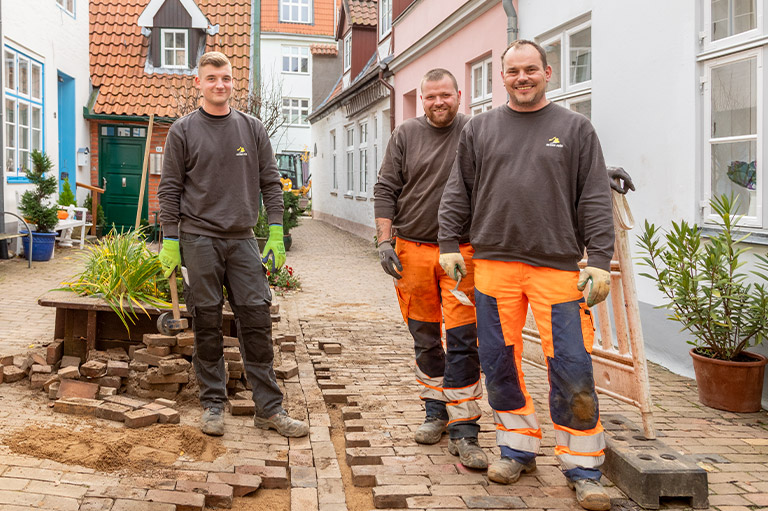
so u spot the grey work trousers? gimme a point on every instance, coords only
(211, 264)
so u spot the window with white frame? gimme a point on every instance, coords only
(482, 82)
(569, 54)
(295, 59)
(385, 17)
(731, 17)
(23, 83)
(296, 11)
(350, 160)
(348, 51)
(363, 155)
(295, 111)
(67, 5)
(375, 143)
(734, 98)
(174, 48)
(335, 180)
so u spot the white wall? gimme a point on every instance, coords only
(47, 33)
(289, 138)
(352, 212)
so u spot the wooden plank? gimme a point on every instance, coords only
(90, 337)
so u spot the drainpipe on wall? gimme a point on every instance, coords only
(256, 46)
(512, 30)
(3, 244)
(386, 84)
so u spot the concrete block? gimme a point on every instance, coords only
(647, 470)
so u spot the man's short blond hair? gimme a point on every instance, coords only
(215, 59)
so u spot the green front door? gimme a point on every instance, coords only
(121, 155)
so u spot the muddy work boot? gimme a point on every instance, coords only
(469, 452)
(430, 432)
(507, 470)
(212, 421)
(590, 494)
(283, 424)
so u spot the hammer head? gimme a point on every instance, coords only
(167, 325)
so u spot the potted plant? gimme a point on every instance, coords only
(710, 295)
(38, 209)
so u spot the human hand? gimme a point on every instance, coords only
(170, 256)
(389, 260)
(601, 284)
(275, 247)
(617, 175)
(453, 264)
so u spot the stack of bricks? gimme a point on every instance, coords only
(134, 413)
(159, 370)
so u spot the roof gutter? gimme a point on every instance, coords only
(87, 114)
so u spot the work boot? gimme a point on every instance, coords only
(507, 470)
(212, 421)
(590, 494)
(283, 424)
(469, 452)
(430, 432)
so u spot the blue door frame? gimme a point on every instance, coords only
(66, 118)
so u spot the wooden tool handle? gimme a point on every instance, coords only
(174, 295)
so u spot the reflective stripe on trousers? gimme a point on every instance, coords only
(452, 373)
(504, 290)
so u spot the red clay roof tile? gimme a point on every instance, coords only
(323, 49)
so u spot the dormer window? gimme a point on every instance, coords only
(175, 48)
(296, 11)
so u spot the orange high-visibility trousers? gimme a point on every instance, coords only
(450, 374)
(504, 290)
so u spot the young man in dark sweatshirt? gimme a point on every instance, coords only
(531, 179)
(217, 162)
(411, 180)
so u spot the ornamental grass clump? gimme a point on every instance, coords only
(704, 288)
(123, 272)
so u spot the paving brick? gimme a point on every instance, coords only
(187, 351)
(159, 351)
(231, 342)
(117, 368)
(232, 354)
(365, 475)
(139, 367)
(159, 340)
(286, 371)
(40, 369)
(130, 402)
(303, 477)
(96, 504)
(367, 455)
(53, 352)
(106, 392)
(139, 505)
(93, 369)
(168, 416)
(288, 347)
(12, 374)
(109, 381)
(434, 502)
(140, 418)
(243, 484)
(185, 339)
(216, 494)
(34, 473)
(112, 412)
(304, 499)
(396, 496)
(271, 477)
(168, 403)
(154, 377)
(77, 406)
(37, 381)
(53, 390)
(142, 355)
(401, 480)
(241, 406)
(74, 388)
(178, 365)
(56, 488)
(183, 500)
(69, 373)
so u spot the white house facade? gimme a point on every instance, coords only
(676, 92)
(46, 84)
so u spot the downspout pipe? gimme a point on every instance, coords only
(512, 29)
(391, 89)
(256, 46)
(3, 245)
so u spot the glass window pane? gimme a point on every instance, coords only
(37, 81)
(488, 78)
(23, 76)
(583, 107)
(304, 65)
(743, 16)
(36, 117)
(181, 57)
(168, 38)
(734, 99)
(10, 71)
(285, 13)
(10, 160)
(168, 57)
(23, 114)
(554, 52)
(71, 5)
(734, 170)
(305, 14)
(10, 110)
(477, 82)
(581, 56)
(181, 40)
(294, 13)
(294, 64)
(286, 63)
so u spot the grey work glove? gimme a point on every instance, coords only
(389, 260)
(617, 175)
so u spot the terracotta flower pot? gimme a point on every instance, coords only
(731, 386)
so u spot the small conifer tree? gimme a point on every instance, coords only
(36, 206)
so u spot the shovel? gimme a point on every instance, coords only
(172, 323)
(461, 296)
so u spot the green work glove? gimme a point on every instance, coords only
(453, 264)
(275, 247)
(170, 256)
(601, 284)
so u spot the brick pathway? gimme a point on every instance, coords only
(368, 394)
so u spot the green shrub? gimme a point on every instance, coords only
(66, 197)
(35, 205)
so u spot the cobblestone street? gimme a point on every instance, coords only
(363, 407)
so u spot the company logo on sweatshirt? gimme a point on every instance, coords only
(554, 142)
(241, 151)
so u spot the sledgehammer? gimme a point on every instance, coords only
(172, 323)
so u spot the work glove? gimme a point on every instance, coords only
(601, 284)
(389, 260)
(453, 264)
(275, 248)
(617, 175)
(170, 256)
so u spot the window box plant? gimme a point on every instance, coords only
(38, 209)
(709, 293)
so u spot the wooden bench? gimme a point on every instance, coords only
(12, 235)
(75, 218)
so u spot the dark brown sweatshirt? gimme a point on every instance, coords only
(535, 188)
(413, 173)
(214, 169)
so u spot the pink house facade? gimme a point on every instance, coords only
(464, 37)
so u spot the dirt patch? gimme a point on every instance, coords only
(358, 499)
(110, 449)
(273, 500)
